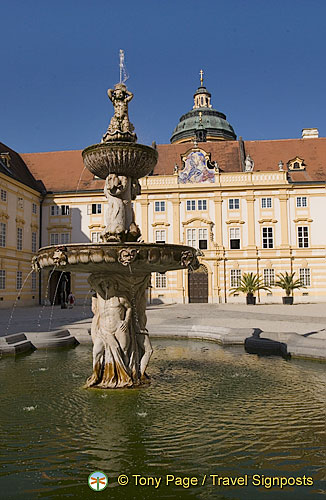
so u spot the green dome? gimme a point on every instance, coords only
(203, 122)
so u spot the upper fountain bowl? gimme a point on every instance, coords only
(122, 158)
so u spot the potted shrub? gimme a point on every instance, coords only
(288, 283)
(249, 284)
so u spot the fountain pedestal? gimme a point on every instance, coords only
(122, 348)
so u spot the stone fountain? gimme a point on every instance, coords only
(120, 266)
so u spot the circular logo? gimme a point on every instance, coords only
(97, 481)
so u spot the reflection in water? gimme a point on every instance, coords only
(208, 411)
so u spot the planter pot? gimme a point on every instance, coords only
(287, 300)
(251, 300)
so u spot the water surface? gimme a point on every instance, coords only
(208, 411)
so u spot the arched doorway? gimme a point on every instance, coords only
(59, 287)
(198, 285)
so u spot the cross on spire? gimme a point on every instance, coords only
(201, 77)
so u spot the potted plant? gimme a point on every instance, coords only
(249, 284)
(288, 283)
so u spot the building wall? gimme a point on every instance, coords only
(267, 203)
(19, 212)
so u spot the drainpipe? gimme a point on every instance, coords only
(224, 266)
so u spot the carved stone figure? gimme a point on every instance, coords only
(119, 215)
(120, 127)
(249, 164)
(121, 346)
(60, 257)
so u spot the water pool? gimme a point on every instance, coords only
(209, 410)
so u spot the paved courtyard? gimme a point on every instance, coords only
(308, 319)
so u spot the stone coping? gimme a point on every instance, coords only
(299, 346)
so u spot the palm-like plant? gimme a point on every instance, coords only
(249, 284)
(288, 283)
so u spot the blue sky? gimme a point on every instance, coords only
(264, 63)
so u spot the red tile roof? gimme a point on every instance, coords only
(63, 171)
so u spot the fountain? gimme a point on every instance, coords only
(120, 265)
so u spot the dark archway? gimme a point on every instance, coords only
(198, 285)
(59, 287)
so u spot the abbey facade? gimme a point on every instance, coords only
(247, 206)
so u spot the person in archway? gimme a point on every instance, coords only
(71, 300)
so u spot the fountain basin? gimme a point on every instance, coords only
(208, 410)
(121, 158)
(138, 258)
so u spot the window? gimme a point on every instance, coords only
(160, 206)
(64, 209)
(20, 203)
(191, 237)
(65, 237)
(160, 236)
(19, 280)
(235, 278)
(3, 195)
(269, 277)
(234, 238)
(33, 280)
(266, 203)
(305, 276)
(202, 239)
(59, 210)
(54, 239)
(94, 208)
(234, 203)
(34, 208)
(95, 237)
(160, 280)
(191, 204)
(2, 279)
(202, 204)
(303, 237)
(301, 201)
(54, 210)
(268, 237)
(197, 238)
(3, 230)
(19, 238)
(34, 242)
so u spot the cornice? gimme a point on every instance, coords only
(266, 220)
(234, 221)
(302, 219)
(166, 224)
(20, 220)
(200, 219)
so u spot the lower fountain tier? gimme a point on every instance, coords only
(138, 258)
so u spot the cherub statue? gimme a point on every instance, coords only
(119, 215)
(120, 126)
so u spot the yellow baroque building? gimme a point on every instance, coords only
(248, 206)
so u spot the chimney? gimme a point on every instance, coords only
(310, 133)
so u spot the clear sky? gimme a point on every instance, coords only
(264, 64)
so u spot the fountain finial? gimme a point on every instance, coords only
(123, 70)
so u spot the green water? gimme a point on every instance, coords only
(208, 411)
